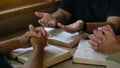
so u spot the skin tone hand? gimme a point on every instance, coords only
(37, 37)
(72, 28)
(38, 44)
(36, 32)
(104, 40)
(22, 41)
(46, 20)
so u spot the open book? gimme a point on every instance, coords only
(53, 55)
(60, 37)
(85, 54)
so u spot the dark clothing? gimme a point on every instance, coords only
(91, 10)
(4, 61)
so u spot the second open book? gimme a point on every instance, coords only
(62, 38)
(52, 55)
(85, 54)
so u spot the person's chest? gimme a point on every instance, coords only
(91, 9)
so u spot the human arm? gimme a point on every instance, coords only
(62, 15)
(38, 43)
(20, 42)
(112, 18)
(36, 59)
(104, 40)
(51, 20)
(113, 21)
(38, 38)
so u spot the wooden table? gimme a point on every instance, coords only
(65, 64)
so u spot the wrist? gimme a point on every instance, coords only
(55, 22)
(39, 49)
(22, 41)
(117, 46)
(83, 26)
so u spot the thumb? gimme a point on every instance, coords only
(33, 31)
(109, 28)
(39, 14)
(60, 25)
(31, 28)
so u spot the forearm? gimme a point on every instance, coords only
(61, 16)
(94, 25)
(36, 60)
(9, 45)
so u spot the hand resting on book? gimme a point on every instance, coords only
(104, 40)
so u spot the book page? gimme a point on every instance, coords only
(52, 55)
(53, 51)
(85, 54)
(20, 51)
(60, 36)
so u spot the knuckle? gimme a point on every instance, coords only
(94, 31)
(90, 36)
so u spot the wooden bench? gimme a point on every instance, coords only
(18, 17)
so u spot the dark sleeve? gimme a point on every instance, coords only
(114, 8)
(67, 5)
(4, 63)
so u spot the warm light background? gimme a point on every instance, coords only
(7, 4)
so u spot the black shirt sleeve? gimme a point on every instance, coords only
(67, 5)
(4, 63)
(114, 8)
